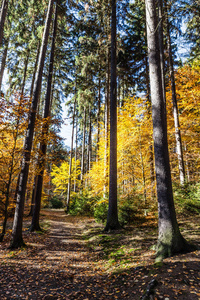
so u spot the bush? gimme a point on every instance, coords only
(82, 204)
(56, 203)
(187, 198)
(101, 210)
(129, 208)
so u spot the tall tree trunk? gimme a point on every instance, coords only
(71, 153)
(179, 147)
(112, 218)
(25, 72)
(98, 118)
(83, 148)
(17, 240)
(35, 225)
(106, 122)
(170, 239)
(3, 62)
(76, 142)
(35, 69)
(4, 8)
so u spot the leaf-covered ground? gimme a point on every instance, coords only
(74, 259)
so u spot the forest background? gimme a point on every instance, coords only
(76, 71)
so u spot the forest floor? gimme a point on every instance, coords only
(73, 259)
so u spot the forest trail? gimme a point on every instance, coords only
(74, 259)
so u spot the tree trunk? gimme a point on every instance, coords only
(112, 218)
(179, 147)
(3, 62)
(17, 240)
(83, 148)
(35, 225)
(170, 239)
(98, 118)
(4, 8)
(71, 154)
(76, 141)
(35, 69)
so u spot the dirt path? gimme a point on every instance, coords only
(73, 259)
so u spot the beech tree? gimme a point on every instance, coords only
(170, 240)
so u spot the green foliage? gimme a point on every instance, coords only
(101, 210)
(187, 198)
(128, 208)
(55, 202)
(82, 204)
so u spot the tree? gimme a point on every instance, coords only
(17, 240)
(170, 239)
(45, 128)
(112, 218)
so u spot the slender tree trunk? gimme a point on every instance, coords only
(106, 123)
(35, 225)
(76, 141)
(3, 62)
(25, 73)
(89, 154)
(179, 147)
(112, 218)
(170, 239)
(98, 118)
(17, 240)
(83, 148)
(35, 69)
(33, 196)
(71, 154)
(3, 12)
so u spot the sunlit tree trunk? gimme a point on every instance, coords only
(170, 239)
(17, 240)
(112, 218)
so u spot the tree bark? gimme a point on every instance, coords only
(35, 225)
(4, 8)
(112, 218)
(170, 239)
(17, 240)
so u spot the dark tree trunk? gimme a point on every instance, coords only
(179, 147)
(4, 8)
(35, 225)
(98, 118)
(170, 239)
(112, 218)
(76, 142)
(3, 62)
(17, 240)
(83, 148)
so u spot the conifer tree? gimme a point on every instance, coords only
(170, 240)
(17, 240)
